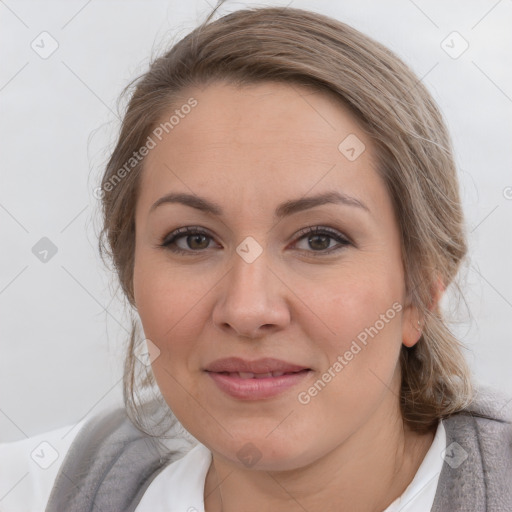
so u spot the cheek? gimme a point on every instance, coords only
(348, 302)
(171, 306)
(360, 317)
(172, 313)
(163, 295)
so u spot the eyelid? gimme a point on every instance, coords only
(170, 238)
(185, 231)
(322, 230)
(342, 240)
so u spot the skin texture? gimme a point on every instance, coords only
(249, 149)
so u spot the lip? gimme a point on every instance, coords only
(263, 365)
(276, 376)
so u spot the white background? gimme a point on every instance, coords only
(62, 329)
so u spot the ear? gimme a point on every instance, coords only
(412, 321)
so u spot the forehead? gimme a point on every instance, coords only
(265, 114)
(251, 138)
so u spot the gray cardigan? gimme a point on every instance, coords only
(110, 464)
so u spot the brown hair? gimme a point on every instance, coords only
(414, 153)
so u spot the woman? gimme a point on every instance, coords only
(282, 211)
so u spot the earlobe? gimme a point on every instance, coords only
(412, 327)
(413, 323)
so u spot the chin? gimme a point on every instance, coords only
(258, 452)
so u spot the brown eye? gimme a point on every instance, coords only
(320, 240)
(187, 240)
(197, 241)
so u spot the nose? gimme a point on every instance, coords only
(252, 300)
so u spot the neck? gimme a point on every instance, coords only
(365, 472)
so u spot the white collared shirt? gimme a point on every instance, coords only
(186, 477)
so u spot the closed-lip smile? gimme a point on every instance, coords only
(258, 379)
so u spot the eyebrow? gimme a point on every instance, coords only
(283, 210)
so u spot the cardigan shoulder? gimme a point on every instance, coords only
(477, 469)
(110, 465)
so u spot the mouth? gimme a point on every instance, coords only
(267, 375)
(255, 380)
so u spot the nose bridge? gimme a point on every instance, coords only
(251, 296)
(249, 275)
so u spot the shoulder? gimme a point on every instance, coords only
(477, 468)
(28, 467)
(32, 469)
(111, 463)
(491, 403)
(488, 416)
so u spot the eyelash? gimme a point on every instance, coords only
(170, 239)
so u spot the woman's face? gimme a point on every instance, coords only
(271, 271)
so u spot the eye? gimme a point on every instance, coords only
(187, 240)
(318, 240)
